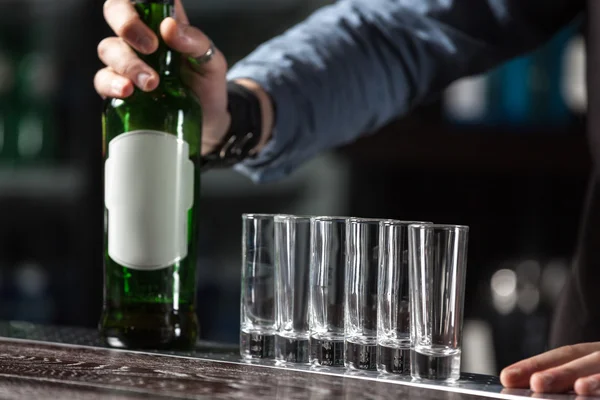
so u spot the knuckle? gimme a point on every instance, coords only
(534, 364)
(129, 67)
(569, 350)
(103, 46)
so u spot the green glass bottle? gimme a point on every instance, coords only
(151, 146)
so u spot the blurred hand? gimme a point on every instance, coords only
(557, 371)
(124, 68)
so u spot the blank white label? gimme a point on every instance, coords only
(149, 189)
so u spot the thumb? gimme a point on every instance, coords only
(188, 40)
(180, 14)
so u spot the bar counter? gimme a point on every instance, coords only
(72, 363)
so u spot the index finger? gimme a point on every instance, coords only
(124, 20)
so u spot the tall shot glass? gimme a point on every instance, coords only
(327, 289)
(257, 325)
(362, 247)
(437, 270)
(393, 312)
(292, 248)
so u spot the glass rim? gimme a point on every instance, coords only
(394, 222)
(443, 227)
(327, 218)
(258, 216)
(292, 217)
(361, 220)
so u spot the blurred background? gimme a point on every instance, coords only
(504, 152)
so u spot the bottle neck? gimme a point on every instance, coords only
(164, 61)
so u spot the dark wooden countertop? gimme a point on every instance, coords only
(62, 363)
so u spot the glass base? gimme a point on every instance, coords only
(433, 364)
(361, 354)
(327, 352)
(257, 345)
(293, 350)
(393, 360)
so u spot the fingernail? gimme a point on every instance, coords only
(593, 385)
(182, 32)
(142, 79)
(513, 372)
(144, 43)
(117, 86)
(547, 379)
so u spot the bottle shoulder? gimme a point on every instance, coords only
(171, 109)
(167, 97)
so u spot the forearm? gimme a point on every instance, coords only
(355, 65)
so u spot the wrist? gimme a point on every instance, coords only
(266, 110)
(241, 133)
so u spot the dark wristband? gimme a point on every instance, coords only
(244, 132)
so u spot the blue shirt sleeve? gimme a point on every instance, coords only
(355, 65)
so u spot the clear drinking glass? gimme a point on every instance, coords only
(327, 288)
(393, 313)
(257, 327)
(292, 248)
(362, 251)
(437, 269)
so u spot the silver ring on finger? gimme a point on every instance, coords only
(198, 62)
